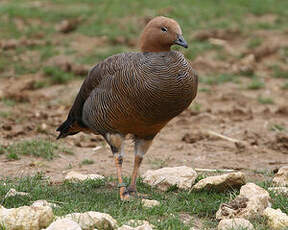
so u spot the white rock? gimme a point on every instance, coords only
(279, 190)
(276, 219)
(76, 176)
(250, 203)
(222, 182)
(137, 225)
(183, 177)
(26, 218)
(142, 227)
(235, 224)
(89, 220)
(150, 203)
(39, 203)
(64, 224)
(13, 192)
(281, 177)
(125, 227)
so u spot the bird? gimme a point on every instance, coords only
(135, 94)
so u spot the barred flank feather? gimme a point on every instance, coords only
(136, 93)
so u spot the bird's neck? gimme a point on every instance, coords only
(154, 48)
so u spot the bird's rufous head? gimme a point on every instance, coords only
(160, 34)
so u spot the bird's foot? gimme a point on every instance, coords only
(132, 191)
(125, 197)
(124, 192)
(127, 193)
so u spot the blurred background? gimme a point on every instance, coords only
(239, 49)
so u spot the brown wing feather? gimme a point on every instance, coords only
(74, 123)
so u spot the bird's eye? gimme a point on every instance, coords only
(164, 29)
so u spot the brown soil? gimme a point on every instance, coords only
(229, 109)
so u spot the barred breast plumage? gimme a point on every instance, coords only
(136, 93)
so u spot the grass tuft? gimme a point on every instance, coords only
(256, 84)
(221, 78)
(277, 127)
(279, 73)
(57, 76)
(285, 86)
(98, 195)
(265, 100)
(254, 42)
(8, 101)
(37, 148)
(87, 162)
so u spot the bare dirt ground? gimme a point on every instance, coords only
(227, 108)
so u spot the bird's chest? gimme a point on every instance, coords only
(160, 98)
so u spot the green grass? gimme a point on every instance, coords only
(5, 114)
(100, 196)
(2, 150)
(56, 75)
(204, 89)
(8, 101)
(255, 84)
(265, 100)
(277, 127)
(219, 79)
(279, 73)
(196, 107)
(254, 42)
(100, 55)
(37, 148)
(87, 162)
(198, 47)
(285, 86)
(113, 19)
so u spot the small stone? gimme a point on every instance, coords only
(39, 203)
(43, 126)
(245, 65)
(67, 26)
(26, 218)
(183, 177)
(217, 42)
(222, 182)
(276, 218)
(281, 178)
(150, 203)
(13, 192)
(76, 176)
(89, 220)
(235, 224)
(64, 224)
(250, 203)
(136, 225)
(279, 190)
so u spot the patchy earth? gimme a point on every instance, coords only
(242, 95)
(227, 108)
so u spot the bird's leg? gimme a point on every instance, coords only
(116, 142)
(141, 147)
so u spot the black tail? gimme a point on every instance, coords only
(64, 129)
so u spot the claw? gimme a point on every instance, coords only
(132, 191)
(124, 194)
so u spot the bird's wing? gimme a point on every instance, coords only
(74, 122)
